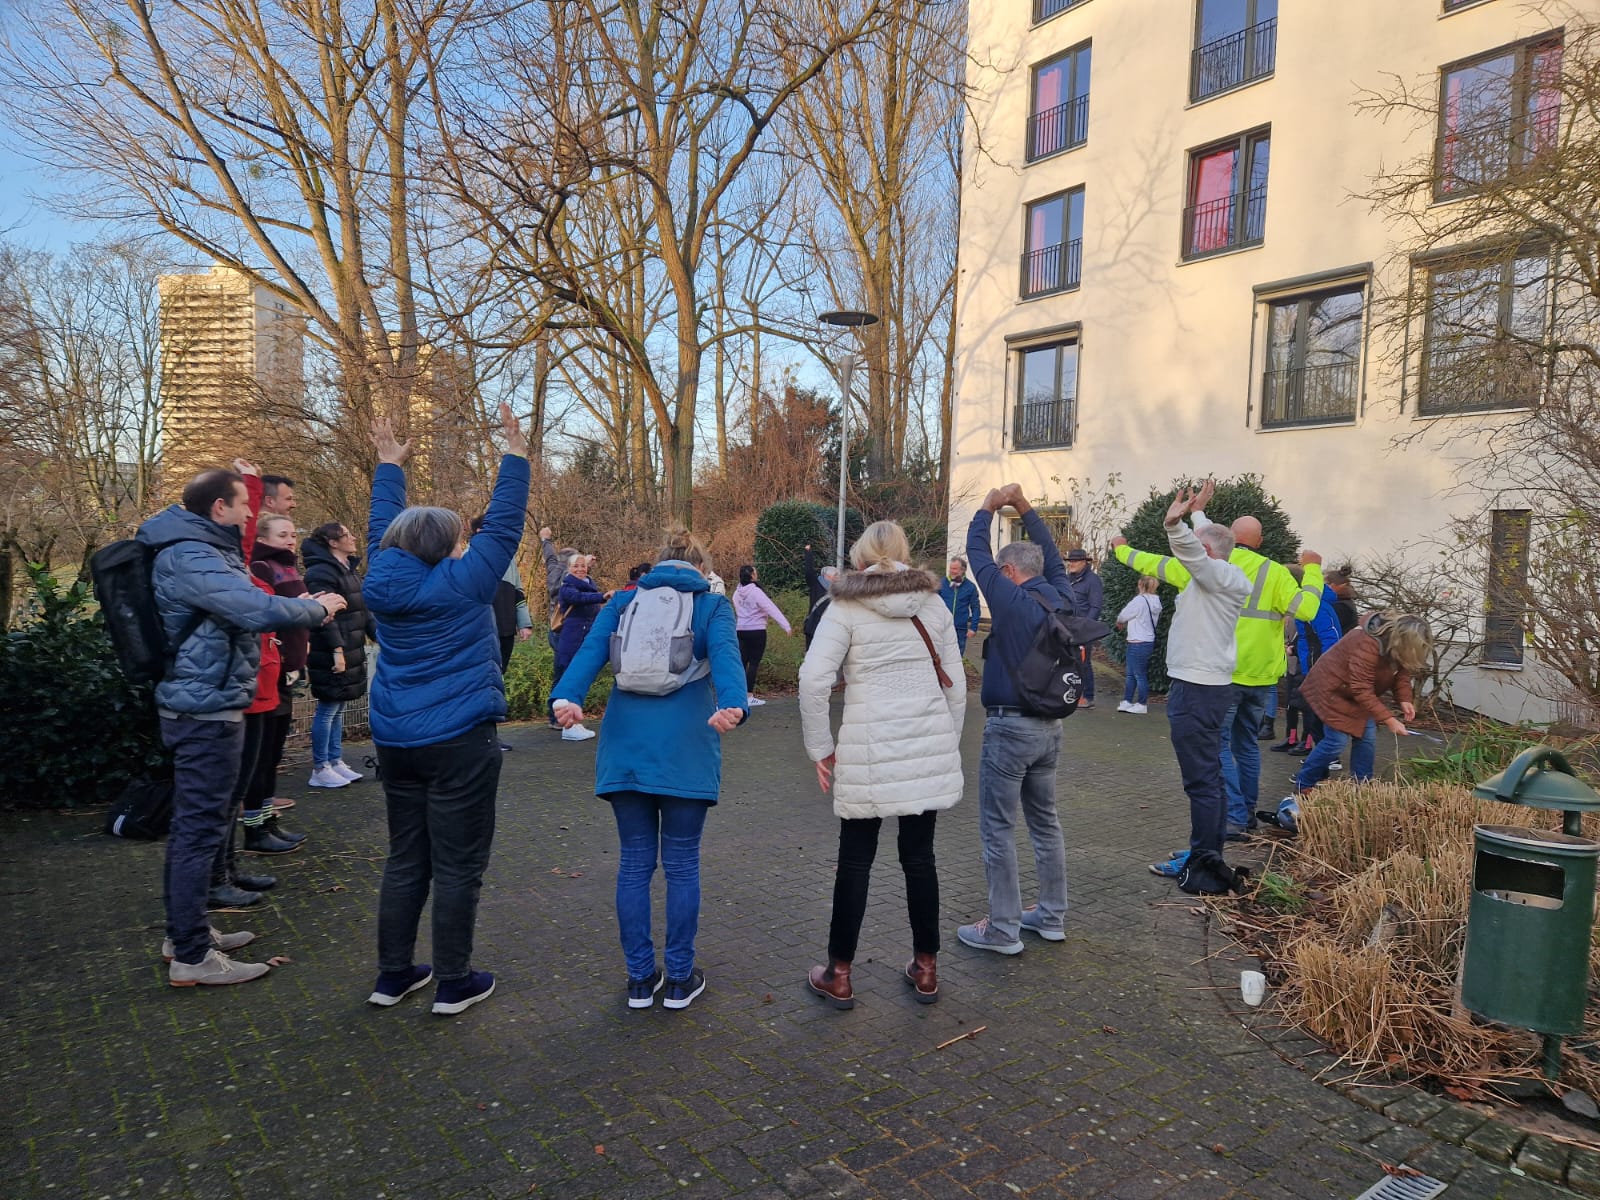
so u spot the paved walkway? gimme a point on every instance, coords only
(1105, 1067)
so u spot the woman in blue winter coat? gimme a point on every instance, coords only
(437, 698)
(581, 601)
(660, 766)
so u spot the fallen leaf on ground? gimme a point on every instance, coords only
(1402, 1171)
(599, 1149)
(1109, 1029)
(1218, 1149)
(338, 887)
(278, 960)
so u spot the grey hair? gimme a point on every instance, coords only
(1026, 557)
(431, 534)
(1218, 537)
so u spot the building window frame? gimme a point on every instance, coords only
(1505, 605)
(1508, 357)
(1301, 394)
(1057, 519)
(1045, 10)
(1525, 134)
(1064, 126)
(1238, 220)
(1234, 60)
(1049, 270)
(1049, 424)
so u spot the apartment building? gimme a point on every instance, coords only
(232, 355)
(1165, 273)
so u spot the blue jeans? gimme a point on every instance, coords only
(671, 825)
(1330, 746)
(1241, 751)
(205, 768)
(327, 733)
(1195, 712)
(1017, 769)
(1136, 679)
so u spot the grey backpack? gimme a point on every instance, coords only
(652, 651)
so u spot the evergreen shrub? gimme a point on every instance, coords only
(782, 533)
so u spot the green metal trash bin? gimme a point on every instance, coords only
(1528, 923)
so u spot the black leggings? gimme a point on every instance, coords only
(858, 846)
(752, 645)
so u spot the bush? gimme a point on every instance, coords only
(782, 534)
(1235, 498)
(76, 729)
(528, 681)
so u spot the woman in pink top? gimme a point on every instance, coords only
(752, 609)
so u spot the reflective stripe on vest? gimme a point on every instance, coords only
(1252, 606)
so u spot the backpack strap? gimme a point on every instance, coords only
(938, 667)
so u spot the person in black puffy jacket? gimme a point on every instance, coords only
(337, 663)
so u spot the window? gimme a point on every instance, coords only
(1058, 118)
(1452, 5)
(1053, 254)
(1313, 369)
(1057, 519)
(1235, 43)
(1047, 388)
(1505, 602)
(1043, 10)
(1227, 196)
(1483, 343)
(1497, 115)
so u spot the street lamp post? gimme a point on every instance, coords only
(845, 319)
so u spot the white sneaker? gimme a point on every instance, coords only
(325, 776)
(753, 702)
(577, 733)
(1335, 765)
(1125, 706)
(339, 767)
(1138, 708)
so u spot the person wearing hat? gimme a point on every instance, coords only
(1088, 598)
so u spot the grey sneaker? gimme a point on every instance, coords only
(216, 969)
(219, 941)
(1034, 920)
(980, 936)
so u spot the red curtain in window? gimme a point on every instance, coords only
(1544, 101)
(1049, 127)
(1042, 267)
(1211, 220)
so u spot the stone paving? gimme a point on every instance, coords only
(1107, 1064)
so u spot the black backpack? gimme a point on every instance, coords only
(814, 618)
(143, 811)
(1207, 873)
(1048, 679)
(127, 598)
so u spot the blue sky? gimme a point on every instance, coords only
(25, 214)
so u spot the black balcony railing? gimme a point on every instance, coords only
(1043, 10)
(1474, 376)
(1051, 269)
(1043, 423)
(1309, 395)
(1059, 128)
(1225, 224)
(1235, 60)
(1489, 151)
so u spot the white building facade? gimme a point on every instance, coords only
(1164, 273)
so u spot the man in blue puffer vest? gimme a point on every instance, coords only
(213, 617)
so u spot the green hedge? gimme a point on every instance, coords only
(782, 532)
(528, 681)
(1243, 496)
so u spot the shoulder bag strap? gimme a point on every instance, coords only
(938, 667)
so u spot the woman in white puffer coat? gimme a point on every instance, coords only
(898, 751)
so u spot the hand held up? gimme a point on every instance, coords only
(390, 450)
(516, 443)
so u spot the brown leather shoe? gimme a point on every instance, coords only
(922, 973)
(832, 983)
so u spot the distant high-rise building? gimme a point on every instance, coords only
(232, 355)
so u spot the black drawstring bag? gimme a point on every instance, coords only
(1207, 873)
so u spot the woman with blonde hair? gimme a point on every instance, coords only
(660, 759)
(897, 753)
(1378, 656)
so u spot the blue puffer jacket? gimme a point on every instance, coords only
(438, 670)
(661, 744)
(203, 571)
(582, 600)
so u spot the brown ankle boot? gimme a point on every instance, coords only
(922, 973)
(832, 983)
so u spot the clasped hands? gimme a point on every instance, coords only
(1011, 494)
(568, 714)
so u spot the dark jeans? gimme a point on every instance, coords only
(255, 726)
(265, 781)
(508, 643)
(671, 826)
(752, 645)
(1195, 711)
(440, 800)
(858, 846)
(1086, 669)
(205, 766)
(1136, 680)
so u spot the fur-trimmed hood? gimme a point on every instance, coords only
(891, 593)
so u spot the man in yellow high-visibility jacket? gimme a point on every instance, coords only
(1274, 594)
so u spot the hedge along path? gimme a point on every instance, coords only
(1371, 963)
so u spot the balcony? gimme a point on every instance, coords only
(1230, 223)
(1479, 376)
(1059, 128)
(1491, 151)
(1043, 10)
(1233, 61)
(1041, 424)
(1051, 269)
(1310, 395)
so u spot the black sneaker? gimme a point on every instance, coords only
(681, 992)
(394, 986)
(642, 992)
(453, 996)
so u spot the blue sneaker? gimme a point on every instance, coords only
(1033, 920)
(453, 996)
(642, 992)
(394, 986)
(681, 992)
(1173, 867)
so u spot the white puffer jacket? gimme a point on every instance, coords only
(898, 751)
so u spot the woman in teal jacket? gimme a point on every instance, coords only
(660, 766)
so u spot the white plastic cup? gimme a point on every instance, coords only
(1253, 987)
